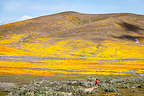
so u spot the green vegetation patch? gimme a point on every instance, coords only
(87, 21)
(88, 87)
(98, 18)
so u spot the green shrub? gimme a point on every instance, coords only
(108, 88)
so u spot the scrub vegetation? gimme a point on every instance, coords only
(106, 87)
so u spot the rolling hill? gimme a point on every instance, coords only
(73, 37)
(71, 34)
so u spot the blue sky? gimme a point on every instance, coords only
(15, 10)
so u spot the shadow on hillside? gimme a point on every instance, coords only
(131, 27)
(128, 37)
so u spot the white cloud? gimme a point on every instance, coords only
(25, 17)
(11, 20)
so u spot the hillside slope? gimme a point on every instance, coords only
(75, 35)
